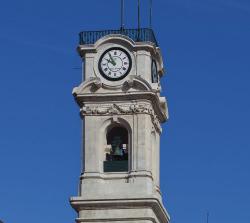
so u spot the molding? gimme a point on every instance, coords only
(93, 84)
(81, 204)
(135, 88)
(122, 109)
(130, 97)
(113, 175)
(115, 220)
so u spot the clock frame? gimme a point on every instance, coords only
(127, 70)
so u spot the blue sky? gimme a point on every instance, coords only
(205, 147)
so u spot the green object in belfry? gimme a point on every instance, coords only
(116, 146)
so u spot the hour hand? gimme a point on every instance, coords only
(112, 60)
(109, 61)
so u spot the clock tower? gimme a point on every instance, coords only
(121, 110)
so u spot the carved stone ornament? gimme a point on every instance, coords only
(115, 109)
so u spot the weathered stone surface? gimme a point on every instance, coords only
(135, 104)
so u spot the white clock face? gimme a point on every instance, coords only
(115, 64)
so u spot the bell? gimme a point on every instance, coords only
(116, 146)
(117, 151)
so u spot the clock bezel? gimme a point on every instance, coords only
(111, 78)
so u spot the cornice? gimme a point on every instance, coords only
(79, 204)
(129, 97)
(132, 90)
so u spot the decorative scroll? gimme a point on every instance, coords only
(115, 109)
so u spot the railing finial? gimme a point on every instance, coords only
(139, 15)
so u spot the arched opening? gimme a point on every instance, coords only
(117, 151)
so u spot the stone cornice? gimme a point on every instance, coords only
(116, 176)
(128, 97)
(79, 204)
(133, 89)
(132, 81)
(121, 109)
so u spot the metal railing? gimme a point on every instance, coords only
(137, 35)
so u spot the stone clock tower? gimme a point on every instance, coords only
(122, 111)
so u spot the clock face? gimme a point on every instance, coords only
(154, 72)
(115, 64)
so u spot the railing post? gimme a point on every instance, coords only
(150, 13)
(122, 15)
(81, 39)
(139, 22)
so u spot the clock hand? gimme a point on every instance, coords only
(112, 60)
(109, 61)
